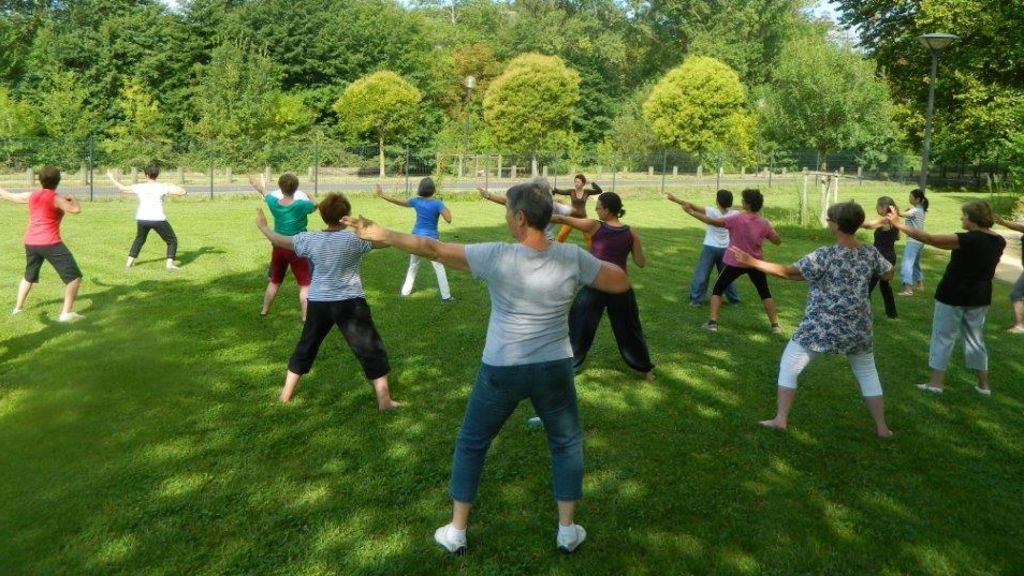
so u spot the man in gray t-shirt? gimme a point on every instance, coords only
(527, 352)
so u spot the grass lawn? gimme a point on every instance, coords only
(147, 438)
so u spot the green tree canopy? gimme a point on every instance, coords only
(530, 106)
(382, 104)
(698, 106)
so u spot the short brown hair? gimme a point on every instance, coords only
(848, 216)
(580, 177)
(49, 177)
(334, 207)
(288, 183)
(979, 212)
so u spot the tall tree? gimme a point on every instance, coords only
(382, 104)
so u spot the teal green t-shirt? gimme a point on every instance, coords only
(291, 219)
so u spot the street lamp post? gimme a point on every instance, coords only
(470, 84)
(935, 42)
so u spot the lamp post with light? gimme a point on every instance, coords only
(935, 42)
(470, 83)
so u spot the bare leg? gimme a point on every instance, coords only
(290, 382)
(937, 377)
(303, 298)
(716, 305)
(70, 291)
(23, 289)
(983, 379)
(384, 401)
(268, 299)
(769, 309)
(1018, 313)
(784, 403)
(460, 514)
(876, 406)
(566, 511)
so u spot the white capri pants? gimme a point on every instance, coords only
(946, 323)
(795, 358)
(410, 277)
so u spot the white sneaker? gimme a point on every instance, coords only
(69, 317)
(445, 538)
(15, 311)
(172, 268)
(568, 545)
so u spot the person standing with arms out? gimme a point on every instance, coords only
(886, 236)
(716, 241)
(428, 211)
(290, 209)
(43, 242)
(910, 268)
(150, 214)
(611, 241)
(964, 293)
(747, 231)
(336, 298)
(527, 353)
(1017, 292)
(837, 319)
(578, 198)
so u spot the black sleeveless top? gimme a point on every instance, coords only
(885, 242)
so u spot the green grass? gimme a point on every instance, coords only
(146, 439)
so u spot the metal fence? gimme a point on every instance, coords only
(323, 165)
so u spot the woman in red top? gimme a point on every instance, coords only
(43, 242)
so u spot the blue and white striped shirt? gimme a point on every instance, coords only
(335, 257)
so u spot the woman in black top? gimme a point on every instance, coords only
(885, 242)
(964, 293)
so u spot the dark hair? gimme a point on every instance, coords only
(979, 212)
(426, 187)
(152, 170)
(919, 194)
(612, 203)
(848, 216)
(533, 199)
(581, 177)
(724, 198)
(288, 183)
(334, 207)
(886, 202)
(49, 177)
(753, 199)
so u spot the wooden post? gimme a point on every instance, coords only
(135, 175)
(514, 171)
(181, 174)
(803, 201)
(675, 171)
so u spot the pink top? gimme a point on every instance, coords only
(747, 232)
(43, 219)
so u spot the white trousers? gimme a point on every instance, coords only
(795, 358)
(410, 277)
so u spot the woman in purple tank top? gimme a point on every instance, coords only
(611, 242)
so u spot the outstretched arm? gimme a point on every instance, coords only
(700, 215)
(380, 194)
(276, 239)
(638, 249)
(20, 198)
(175, 190)
(447, 253)
(492, 197)
(584, 224)
(942, 241)
(120, 187)
(1015, 226)
(777, 270)
(259, 185)
(873, 224)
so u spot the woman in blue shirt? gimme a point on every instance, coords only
(428, 210)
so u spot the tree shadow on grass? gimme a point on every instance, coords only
(151, 441)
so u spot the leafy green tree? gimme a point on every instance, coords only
(382, 104)
(698, 106)
(826, 97)
(530, 107)
(140, 134)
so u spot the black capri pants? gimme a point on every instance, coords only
(57, 255)
(163, 228)
(353, 318)
(729, 275)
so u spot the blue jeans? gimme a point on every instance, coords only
(710, 256)
(910, 268)
(496, 393)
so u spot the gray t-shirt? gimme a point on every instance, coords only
(335, 257)
(531, 293)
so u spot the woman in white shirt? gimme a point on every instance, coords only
(150, 214)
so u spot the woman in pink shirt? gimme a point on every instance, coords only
(747, 231)
(43, 242)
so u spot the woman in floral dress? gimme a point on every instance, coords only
(837, 319)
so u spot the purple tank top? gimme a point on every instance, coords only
(612, 244)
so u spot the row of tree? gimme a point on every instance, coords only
(705, 76)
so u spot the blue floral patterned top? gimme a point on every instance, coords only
(837, 319)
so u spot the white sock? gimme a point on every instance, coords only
(567, 531)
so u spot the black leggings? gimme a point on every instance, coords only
(886, 288)
(731, 273)
(163, 228)
(623, 313)
(353, 318)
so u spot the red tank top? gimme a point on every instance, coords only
(43, 219)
